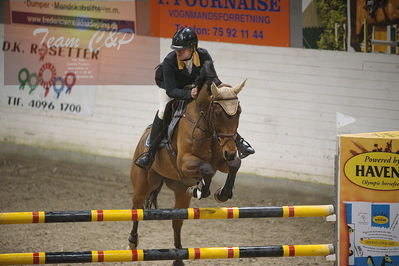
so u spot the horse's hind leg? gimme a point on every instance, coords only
(144, 182)
(182, 201)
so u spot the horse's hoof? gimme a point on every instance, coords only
(220, 197)
(133, 241)
(205, 194)
(178, 263)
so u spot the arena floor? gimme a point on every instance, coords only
(28, 184)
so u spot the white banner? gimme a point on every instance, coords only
(79, 100)
(373, 233)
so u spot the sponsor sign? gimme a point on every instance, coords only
(263, 22)
(368, 199)
(373, 232)
(56, 53)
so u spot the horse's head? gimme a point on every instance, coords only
(387, 259)
(224, 114)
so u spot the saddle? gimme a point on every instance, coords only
(174, 111)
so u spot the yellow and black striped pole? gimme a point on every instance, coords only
(166, 254)
(165, 214)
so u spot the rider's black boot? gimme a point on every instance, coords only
(243, 147)
(145, 160)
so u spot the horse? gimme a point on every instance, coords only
(386, 12)
(204, 142)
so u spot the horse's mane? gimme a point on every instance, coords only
(207, 75)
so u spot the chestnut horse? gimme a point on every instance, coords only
(385, 13)
(204, 141)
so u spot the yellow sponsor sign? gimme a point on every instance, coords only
(374, 170)
(368, 172)
(379, 243)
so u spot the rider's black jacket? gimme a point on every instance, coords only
(174, 79)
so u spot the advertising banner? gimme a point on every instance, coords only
(262, 22)
(57, 52)
(373, 230)
(368, 199)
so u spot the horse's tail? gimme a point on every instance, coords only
(151, 202)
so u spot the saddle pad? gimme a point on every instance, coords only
(175, 119)
(167, 140)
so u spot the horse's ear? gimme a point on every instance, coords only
(215, 90)
(239, 87)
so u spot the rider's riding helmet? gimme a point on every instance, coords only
(184, 38)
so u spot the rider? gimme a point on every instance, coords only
(180, 68)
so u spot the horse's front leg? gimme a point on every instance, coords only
(226, 192)
(182, 201)
(196, 170)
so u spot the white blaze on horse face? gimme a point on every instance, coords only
(239, 87)
(215, 90)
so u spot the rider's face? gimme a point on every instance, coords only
(184, 54)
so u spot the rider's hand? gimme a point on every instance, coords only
(194, 93)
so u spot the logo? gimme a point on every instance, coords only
(374, 170)
(380, 219)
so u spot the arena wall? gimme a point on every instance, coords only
(290, 106)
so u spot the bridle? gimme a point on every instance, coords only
(221, 136)
(210, 120)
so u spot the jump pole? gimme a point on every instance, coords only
(166, 254)
(165, 214)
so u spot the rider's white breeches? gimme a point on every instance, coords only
(163, 101)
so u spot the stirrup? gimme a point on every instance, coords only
(144, 162)
(244, 148)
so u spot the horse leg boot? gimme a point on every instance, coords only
(134, 237)
(226, 192)
(201, 190)
(243, 147)
(145, 160)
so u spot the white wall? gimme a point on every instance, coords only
(289, 109)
